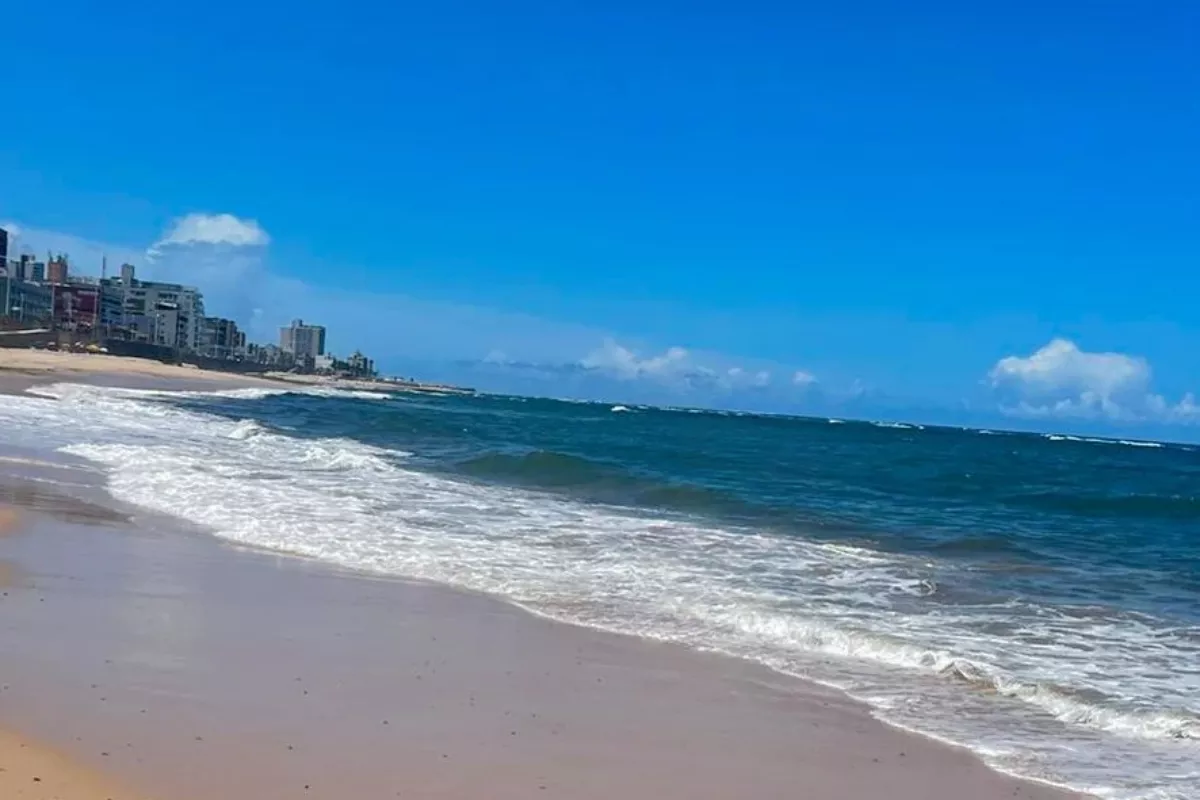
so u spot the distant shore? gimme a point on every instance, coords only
(54, 363)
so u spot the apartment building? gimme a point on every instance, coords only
(166, 314)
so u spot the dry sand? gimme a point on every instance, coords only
(21, 368)
(196, 671)
(33, 772)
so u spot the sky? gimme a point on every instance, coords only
(950, 212)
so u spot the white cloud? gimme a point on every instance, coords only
(1061, 366)
(14, 230)
(739, 378)
(216, 229)
(682, 369)
(1062, 381)
(624, 363)
(497, 357)
(802, 378)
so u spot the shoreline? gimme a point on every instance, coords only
(619, 715)
(36, 363)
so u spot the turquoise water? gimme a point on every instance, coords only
(1036, 598)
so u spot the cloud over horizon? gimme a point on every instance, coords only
(1061, 380)
(680, 367)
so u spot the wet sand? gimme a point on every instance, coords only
(196, 671)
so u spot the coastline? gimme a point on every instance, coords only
(113, 370)
(173, 650)
(22, 368)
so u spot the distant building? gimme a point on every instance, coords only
(37, 272)
(77, 305)
(167, 314)
(361, 365)
(220, 338)
(28, 302)
(267, 354)
(56, 270)
(302, 342)
(21, 269)
(3, 247)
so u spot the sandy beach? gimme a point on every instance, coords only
(140, 649)
(19, 367)
(35, 772)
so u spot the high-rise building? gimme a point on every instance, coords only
(23, 271)
(303, 342)
(56, 270)
(168, 314)
(3, 248)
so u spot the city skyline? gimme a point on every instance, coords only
(107, 309)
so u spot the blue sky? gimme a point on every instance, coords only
(887, 198)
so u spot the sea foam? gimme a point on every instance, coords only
(1058, 695)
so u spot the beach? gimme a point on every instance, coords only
(19, 367)
(138, 649)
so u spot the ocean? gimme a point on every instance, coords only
(1035, 598)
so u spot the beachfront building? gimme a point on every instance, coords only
(360, 365)
(302, 342)
(165, 314)
(27, 303)
(268, 355)
(79, 305)
(221, 338)
(356, 366)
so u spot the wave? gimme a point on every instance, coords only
(1070, 705)
(541, 467)
(1060, 437)
(981, 545)
(246, 429)
(332, 391)
(1091, 689)
(597, 481)
(904, 426)
(58, 391)
(1108, 506)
